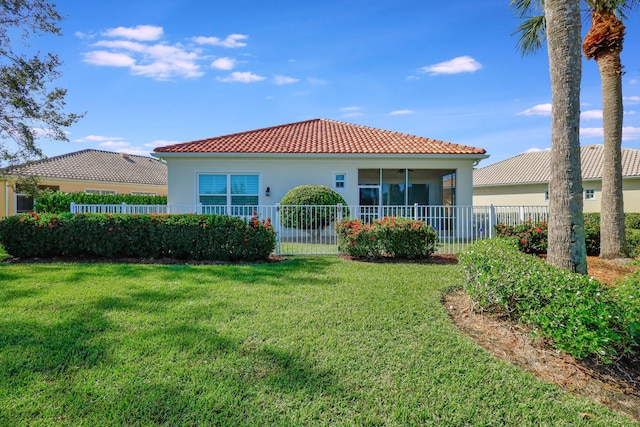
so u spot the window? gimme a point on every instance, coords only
(339, 180)
(228, 189)
(94, 191)
(589, 194)
(546, 195)
(25, 203)
(144, 193)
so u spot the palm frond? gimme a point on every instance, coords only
(526, 8)
(532, 34)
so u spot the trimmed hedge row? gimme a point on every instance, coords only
(581, 315)
(197, 237)
(389, 237)
(59, 202)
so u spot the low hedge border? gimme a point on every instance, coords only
(60, 202)
(197, 237)
(394, 237)
(581, 315)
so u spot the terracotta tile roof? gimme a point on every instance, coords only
(97, 165)
(320, 136)
(529, 168)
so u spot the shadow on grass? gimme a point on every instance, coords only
(29, 347)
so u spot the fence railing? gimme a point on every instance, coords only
(456, 226)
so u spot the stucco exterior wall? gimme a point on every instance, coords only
(534, 195)
(281, 174)
(8, 199)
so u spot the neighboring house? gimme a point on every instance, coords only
(367, 166)
(523, 180)
(89, 171)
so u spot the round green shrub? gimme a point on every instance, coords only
(311, 207)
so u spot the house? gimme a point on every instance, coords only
(89, 171)
(367, 166)
(523, 180)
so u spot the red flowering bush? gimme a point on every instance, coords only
(202, 237)
(531, 236)
(389, 237)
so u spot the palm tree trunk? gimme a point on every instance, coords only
(566, 246)
(612, 226)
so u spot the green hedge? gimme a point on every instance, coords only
(59, 202)
(532, 236)
(311, 207)
(389, 237)
(581, 315)
(197, 237)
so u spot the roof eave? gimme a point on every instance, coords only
(470, 156)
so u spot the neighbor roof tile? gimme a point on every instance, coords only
(97, 165)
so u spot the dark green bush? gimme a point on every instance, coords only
(578, 313)
(532, 236)
(198, 237)
(389, 237)
(311, 207)
(59, 202)
(627, 293)
(632, 220)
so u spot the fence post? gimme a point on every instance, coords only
(492, 220)
(123, 208)
(72, 207)
(278, 228)
(415, 211)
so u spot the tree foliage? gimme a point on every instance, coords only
(31, 108)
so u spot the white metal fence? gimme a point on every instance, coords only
(456, 226)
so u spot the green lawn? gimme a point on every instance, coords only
(309, 341)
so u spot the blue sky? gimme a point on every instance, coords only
(151, 73)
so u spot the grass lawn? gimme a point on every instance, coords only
(309, 341)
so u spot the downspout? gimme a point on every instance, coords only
(6, 198)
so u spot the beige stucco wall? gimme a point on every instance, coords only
(8, 199)
(533, 195)
(281, 174)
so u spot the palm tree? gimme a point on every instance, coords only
(603, 43)
(561, 25)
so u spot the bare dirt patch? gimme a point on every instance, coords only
(616, 385)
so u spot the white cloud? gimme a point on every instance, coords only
(140, 32)
(242, 77)
(98, 138)
(352, 108)
(461, 64)
(537, 110)
(591, 114)
(224, 64)
(114, 145)
(632, 99)
(400, 112)
(535, 150)
(232, 41)
(160, 143)
(159, 61)
(109, 59)
(284, 80)
(629, 133)
(591, 133)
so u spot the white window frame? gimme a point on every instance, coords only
(589, 194)
(100, 192)
(144, 193)
(546, 195)
(228, 206)
(343, 181)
